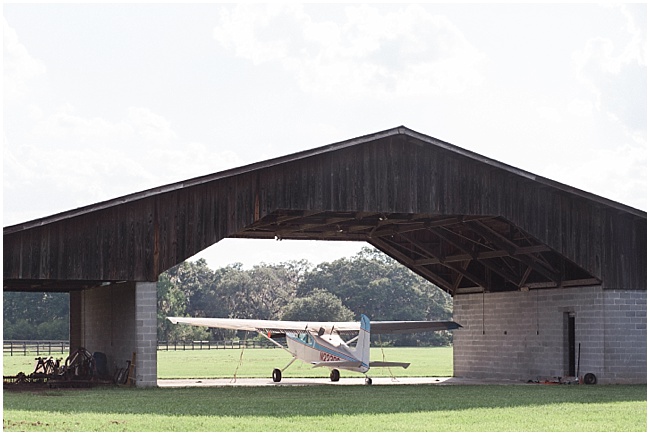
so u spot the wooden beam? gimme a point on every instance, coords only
(386, 247)
(452, 266)
(503, 243)
(467, 251)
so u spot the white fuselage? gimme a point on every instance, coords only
(327, 348)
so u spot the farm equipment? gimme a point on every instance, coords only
(80, 365)
(81, 368)
(45, 370)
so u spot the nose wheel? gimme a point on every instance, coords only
(368, 381)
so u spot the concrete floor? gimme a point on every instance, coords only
(267, 382)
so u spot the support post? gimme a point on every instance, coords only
(146, 367)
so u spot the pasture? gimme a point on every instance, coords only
(446, 408)
(258, 363)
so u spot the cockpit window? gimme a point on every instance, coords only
(306, 338)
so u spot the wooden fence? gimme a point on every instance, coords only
(42, 347)
(222, 344)
(36, 347)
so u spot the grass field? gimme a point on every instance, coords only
(256, 363)
(447, 408)
(404, 408)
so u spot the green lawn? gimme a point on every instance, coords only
(222, 363)
(341, 408)
(255, 363)
(403, 408)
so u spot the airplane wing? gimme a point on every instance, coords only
(262, 326)
(282, 326)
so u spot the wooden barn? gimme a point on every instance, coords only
(537, 269)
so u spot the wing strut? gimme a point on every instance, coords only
(273, 341)
(290, 362)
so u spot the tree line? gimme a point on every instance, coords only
(368, 283)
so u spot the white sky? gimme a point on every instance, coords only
(105, 100)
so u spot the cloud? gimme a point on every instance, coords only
(402, 52)
(19, 67)
(616, 73)
(150, 126)
(74, 161)
(618, 173)
(64, 128)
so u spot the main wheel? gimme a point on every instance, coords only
(335, 375)
(368, 381)
(277, 375)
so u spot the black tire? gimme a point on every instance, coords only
(368, 381)
(335, 375)
(589, 379)
(277, 375)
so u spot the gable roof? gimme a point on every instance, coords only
(468, 217)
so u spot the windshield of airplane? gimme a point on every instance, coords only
(306, 338)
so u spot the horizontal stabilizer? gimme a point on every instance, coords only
(388, 364)
(410, 326)
(337, 364)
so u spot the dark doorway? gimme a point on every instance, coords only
(570, 344)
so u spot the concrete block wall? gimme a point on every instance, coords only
(523, 335)
(626, 335)
(146, 343)
(118, 319)
(108, 322)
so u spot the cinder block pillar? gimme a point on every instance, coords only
(145, 334)
(76, 320)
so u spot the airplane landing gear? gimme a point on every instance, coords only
(277, 373)
(368, 381)
(335, 375)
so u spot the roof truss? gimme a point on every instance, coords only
(460, 254)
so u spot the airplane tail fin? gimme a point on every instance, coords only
(362, 349)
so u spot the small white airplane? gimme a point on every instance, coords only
(320, 343)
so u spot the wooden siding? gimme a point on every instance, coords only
(137, 238)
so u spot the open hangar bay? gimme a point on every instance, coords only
(536, 269)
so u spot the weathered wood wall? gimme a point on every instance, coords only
(139, 236)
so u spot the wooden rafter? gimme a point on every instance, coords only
(440, 258)
(386, 247)
(503, 243)
(457, 253)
